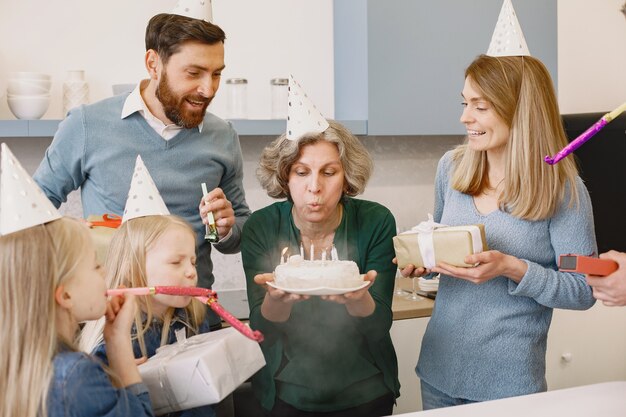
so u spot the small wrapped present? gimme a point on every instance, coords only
(102, 230)
(429, 243)
(200, 370)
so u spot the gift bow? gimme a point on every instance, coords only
(425, 240)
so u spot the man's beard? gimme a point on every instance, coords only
(174, 106)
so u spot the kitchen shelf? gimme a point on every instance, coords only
(47, 128)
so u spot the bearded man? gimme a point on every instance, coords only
(165, 121)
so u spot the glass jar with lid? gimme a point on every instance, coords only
(279, 87)
(237, 98)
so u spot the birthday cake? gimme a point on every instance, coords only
(298, 273)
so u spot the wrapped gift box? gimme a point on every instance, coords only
(451, 244)
(200, 370)
(102, 235)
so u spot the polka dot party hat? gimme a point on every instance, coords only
(144, 198)
(302, 115)
(22, 203)
(198, 9)
(508, 39)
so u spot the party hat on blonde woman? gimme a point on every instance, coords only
(302, 115)
(507, 38)
(198, 9)
(22, 203)
(144, 198)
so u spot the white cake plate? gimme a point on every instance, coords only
(318, 290)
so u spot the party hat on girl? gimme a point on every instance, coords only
(22, 203)
(507, 38)
(302, 115)
(198, 9)
(144, 198)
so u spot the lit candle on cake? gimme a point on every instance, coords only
(324, 254)
(312, 252)
(301, 250)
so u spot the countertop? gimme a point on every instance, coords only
(606, 399)
(408, 309)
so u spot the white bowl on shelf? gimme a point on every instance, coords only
(29, 107)
(30, 75)
(28, 87)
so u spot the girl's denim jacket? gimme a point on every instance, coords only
(152, 339)
(81, 387)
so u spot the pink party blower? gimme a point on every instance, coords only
(211, 301)
(585, 136)
(167, 290)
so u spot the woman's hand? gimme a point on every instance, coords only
(611, 290)
(119, 317)
(410, 271)
(491, 264)
(359, 303)
(277, 304)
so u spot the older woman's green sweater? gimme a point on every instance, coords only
(323, 359)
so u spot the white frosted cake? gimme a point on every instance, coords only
(298, 273)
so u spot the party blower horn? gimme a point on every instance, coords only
(204, 295)
(585, 136)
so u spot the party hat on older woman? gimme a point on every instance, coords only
(507, 38)
(197, 9)
(302, 116)
(144, 198)
(22, 203)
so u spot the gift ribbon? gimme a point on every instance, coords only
(109, 220)
(170, 351)
(425, 240)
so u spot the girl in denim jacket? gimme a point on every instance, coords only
(150, 251)
(51, 281)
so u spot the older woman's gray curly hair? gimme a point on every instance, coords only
(279, 156)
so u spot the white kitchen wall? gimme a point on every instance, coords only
(592, 55)
(265, 39)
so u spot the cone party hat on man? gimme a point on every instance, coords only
(302, 115)
(144, 198)
(198, 9)
(22, 203)
(507, 38)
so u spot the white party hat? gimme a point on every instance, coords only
(508, 39)
(302, 115)
(198, 9)
(144, 198)
(22, 203)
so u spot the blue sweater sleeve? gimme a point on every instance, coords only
(232, 185)
(571, 231)
(61, 170)
(86, 390)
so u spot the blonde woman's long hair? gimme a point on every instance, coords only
(522, 95)
(126, 265)
(33, 263)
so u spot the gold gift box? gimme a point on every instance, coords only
(451, 245)
(101, 236)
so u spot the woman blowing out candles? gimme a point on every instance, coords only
(328, 355)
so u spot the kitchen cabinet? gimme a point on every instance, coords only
(407, 340)
(399, 64)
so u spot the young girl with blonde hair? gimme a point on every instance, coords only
(51, 282)
(150, 251)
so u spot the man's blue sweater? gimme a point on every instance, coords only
(95, 149)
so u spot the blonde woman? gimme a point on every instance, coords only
(51, 282)
(487, 335)
(150, 251)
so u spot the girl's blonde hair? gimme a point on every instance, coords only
(522, 95)
(33, 263)
(126, 265)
